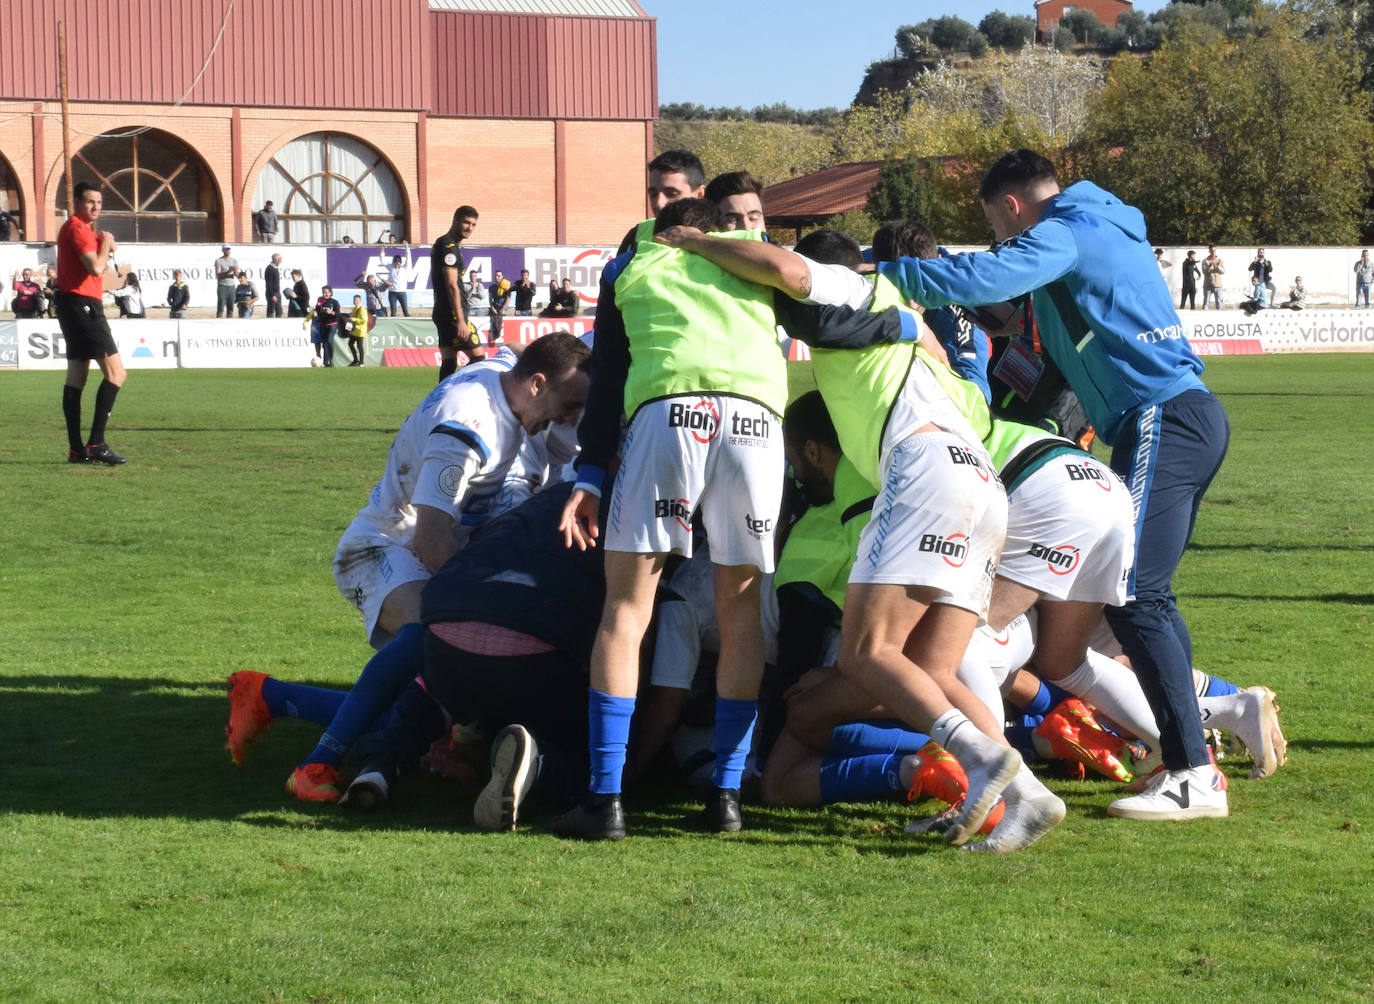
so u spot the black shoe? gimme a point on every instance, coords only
(78, 456)
(99, 453)
(596, 817)
(722, 811)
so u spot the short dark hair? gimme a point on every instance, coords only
(808, 419)
(1015, 169)
(699, 213)
(722, 186)
(831, 247)
(82, 187)
(682, 162)
(553, 355)
(903, 239)
(463, 213)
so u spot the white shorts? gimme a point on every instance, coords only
(1071, 532)
(938, 522)
(367, 568)
(719, 454)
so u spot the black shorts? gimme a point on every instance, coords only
(451, 338)
(83, 324)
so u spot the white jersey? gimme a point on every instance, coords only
(452, 454)
(922, 400)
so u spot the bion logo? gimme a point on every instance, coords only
(953, 549)
(701, 420)
(1082, 472)
(963, 455)
(678, 509)
(1062, 559)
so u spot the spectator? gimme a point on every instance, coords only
(265, 223)
(129, 297)
(474, 295)
(346, 239)
(178, 295)
(1258, 297)
(271, 285)
(500, 298)
(1163, 263)
(1190, 272)
(326, 325)
(298, 299)
(245, 295)
(1364, 275)
(28, 295)
(524, 294)
(395, 283)
(50, 294)
(1212, 271)
(1297, 295)
(567, 301)
(355, 327)
(373, 293)
(1263, 269)
(226, 275)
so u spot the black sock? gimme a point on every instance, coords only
(104, 404)
(447, 367)
(71, 409)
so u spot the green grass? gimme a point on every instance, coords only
(137, 863)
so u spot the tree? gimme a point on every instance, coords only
(1082, 24)
(1257, 141)
(1006, 32)
(949, 34)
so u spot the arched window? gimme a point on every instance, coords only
(326, 186)
(11, 204)
(156, 188)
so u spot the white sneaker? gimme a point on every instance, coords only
(367, 793)
(513, 759)
(1176, 794)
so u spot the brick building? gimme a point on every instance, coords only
(355, 117)
(1048, 13)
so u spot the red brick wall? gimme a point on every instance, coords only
(1048, 15)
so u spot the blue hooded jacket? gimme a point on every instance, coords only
(1104, 312)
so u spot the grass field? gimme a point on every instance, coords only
(137, 863)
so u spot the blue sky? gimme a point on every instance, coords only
(808, 53)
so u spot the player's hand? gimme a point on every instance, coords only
(679, 236)
(107, 242)
(578, 523)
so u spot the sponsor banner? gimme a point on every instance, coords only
(9, 345)
(346, 262)
(1235, 347)
(1228, 332)
(393, 333)
(582, 266)
(142, 344)
(285, 344)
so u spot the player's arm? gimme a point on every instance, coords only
(435, 540)
(758, 261)
(454, 454)
(96, 258)
(455, 297)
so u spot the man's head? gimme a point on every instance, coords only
(567, 284)
(296, 273)
(673, 175)
(1014, 191)
(371, 279)
(1364, 255)
(276, 259)
(464, 223)
(1297, 281)
(1211, 250)
(243, 277)
(739, 197)
(267, 204)
(831, 247)
(550, 381)
(326, 290)
(472, 276)
(1159, 252)
(87, 201)
(28, 275)
(903, 239)
(1259, 252)
(691, 212)
(396, 260)
(497, 276)
(524, 275)
(357, 301)
(176, 275)
(811, 446)
(224, 250)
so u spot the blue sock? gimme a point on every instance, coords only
(734, 735)
(1057, 694)
(863, 738)
(608, 732)
(297, 700)
(860, 778)
(382, 680)
(1041, 703)
(1020, 738)
(1217, 687)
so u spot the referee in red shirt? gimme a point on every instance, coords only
(82, 254)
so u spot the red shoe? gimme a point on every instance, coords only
(314, 782)
(1073, 734)
(248, 714)
(939, 775)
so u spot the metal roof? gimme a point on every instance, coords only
(556, 8)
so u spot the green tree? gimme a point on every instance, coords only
(1256, 141)
(1006, 32)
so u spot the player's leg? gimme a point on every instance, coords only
(1167, 457)
(114, 374)
(77, 371)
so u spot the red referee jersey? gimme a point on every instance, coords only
(76, 238)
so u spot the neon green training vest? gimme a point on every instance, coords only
(861, 385)
(821, 546)
(695, 329)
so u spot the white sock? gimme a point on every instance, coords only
(1220, 712)
(1106, 684)
(975, 674)
(1024, 785)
